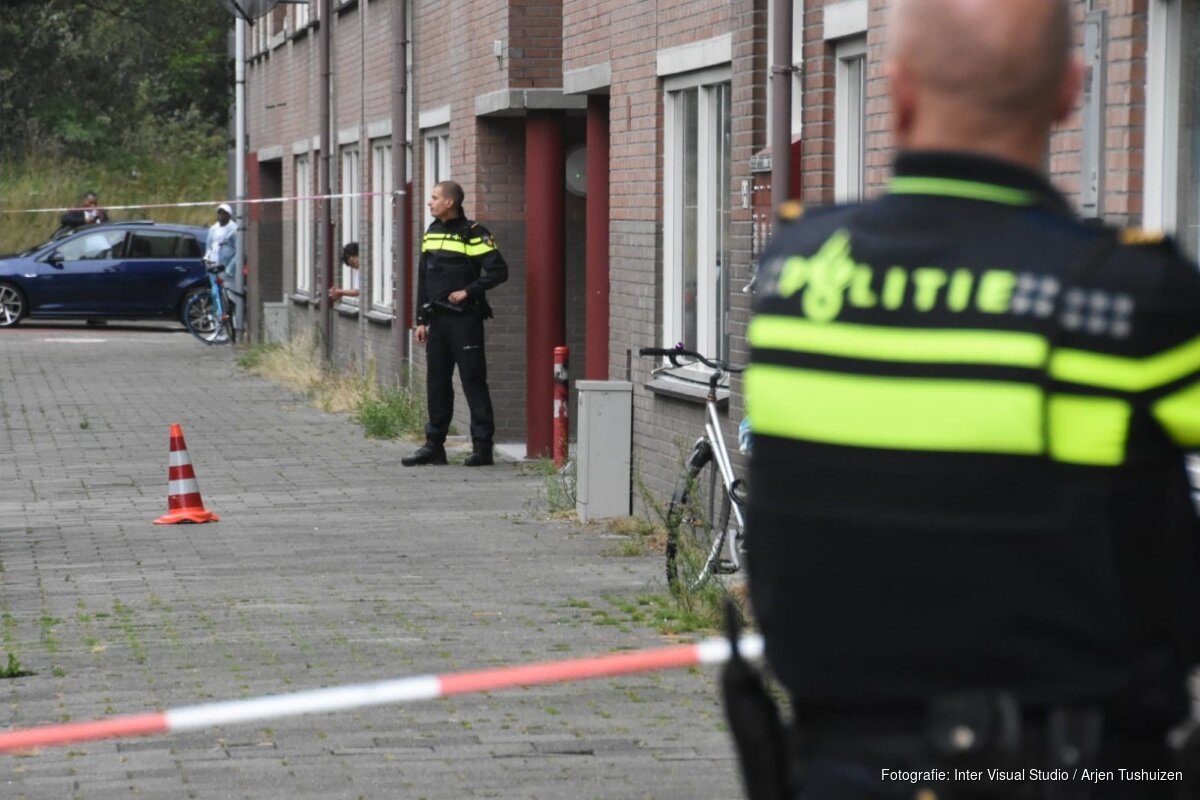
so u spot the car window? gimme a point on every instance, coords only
(189, 247)
(96, 245)
(155, 244)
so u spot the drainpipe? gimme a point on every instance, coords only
(596, 278)
(239, 169)
(545, 253)
(781, 105)
(324, 181)
(400, 217)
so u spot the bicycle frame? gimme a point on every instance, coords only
(712, 430)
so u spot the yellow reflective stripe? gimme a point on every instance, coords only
(795, 334)
(895, 413)
(447, 245)
(1179, 414)
(1088, 430)
(1127, 374)
(474, 249)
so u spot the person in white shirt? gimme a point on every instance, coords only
(222, 245)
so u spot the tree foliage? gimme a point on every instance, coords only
(88, 78)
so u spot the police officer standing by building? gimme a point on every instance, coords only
(459, 264)
(972, 539)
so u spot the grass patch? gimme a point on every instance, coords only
(384, 412)
(171, 168)
(392, 412)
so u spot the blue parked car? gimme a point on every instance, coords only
(118, 270)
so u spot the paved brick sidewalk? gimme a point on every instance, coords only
(331, 564)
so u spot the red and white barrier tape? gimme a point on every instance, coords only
(403, 690)
(212, 203)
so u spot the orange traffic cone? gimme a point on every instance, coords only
(183, 495)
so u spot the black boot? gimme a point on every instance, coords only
(481, 455)
(429, 453)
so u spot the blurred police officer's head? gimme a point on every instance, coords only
(981, 76)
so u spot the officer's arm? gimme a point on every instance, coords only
(493, 269)
(1176, 405)
(422, 296)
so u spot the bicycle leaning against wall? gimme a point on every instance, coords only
(209, 315)
(706, 517)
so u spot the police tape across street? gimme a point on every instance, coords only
(402, 690)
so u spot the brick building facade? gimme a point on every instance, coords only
(672, 97)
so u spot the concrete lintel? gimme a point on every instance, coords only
(272, 153)
(516, 102)
(847, 18)
(696, 55)
(434, 117)
(379, 129)
(596, 79)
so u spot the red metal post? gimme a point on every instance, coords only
(545, 288)
(562, 422)
(596, 279)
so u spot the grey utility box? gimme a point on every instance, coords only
(603, 449)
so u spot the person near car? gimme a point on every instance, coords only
(350, 259)
(222, 240)
(459, 264)
(972, 541)
(88, 213)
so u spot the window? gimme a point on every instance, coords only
(849, 118)
(697, 212)
(437, 158)
(1172, 173)
(351, 203)
(157, 244)
(382, 202)
(93, 246)
(300, 16)
(304, 225)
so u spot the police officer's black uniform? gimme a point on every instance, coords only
(969, 411)
(458, 254)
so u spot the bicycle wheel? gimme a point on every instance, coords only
(698, 521)
(200, 317)
(230, 307)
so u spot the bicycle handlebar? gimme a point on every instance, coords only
(679, 351)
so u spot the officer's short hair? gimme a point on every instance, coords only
(453, 191)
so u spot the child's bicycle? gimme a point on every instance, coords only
(706, 520)
(209, 315)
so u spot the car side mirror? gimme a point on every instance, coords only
(55, 258)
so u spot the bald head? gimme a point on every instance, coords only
(980, 68)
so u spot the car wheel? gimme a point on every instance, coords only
(12, 305)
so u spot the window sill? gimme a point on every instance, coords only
(688, 392)
(301, 299)
(346, 310)
(380, 317)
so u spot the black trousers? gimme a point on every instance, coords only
(457, 340)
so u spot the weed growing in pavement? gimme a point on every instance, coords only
(84, 424)
(13, 668)
(392, 412)
(384, 413)
(558, 487)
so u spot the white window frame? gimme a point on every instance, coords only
(383, 201)
(1160, 184)
(301, 15)
(850, 103)
(351, 212)
(711, 333)
(303, 224)
(437, 156)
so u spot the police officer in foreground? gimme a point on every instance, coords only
(459, 264)
(973, 545)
